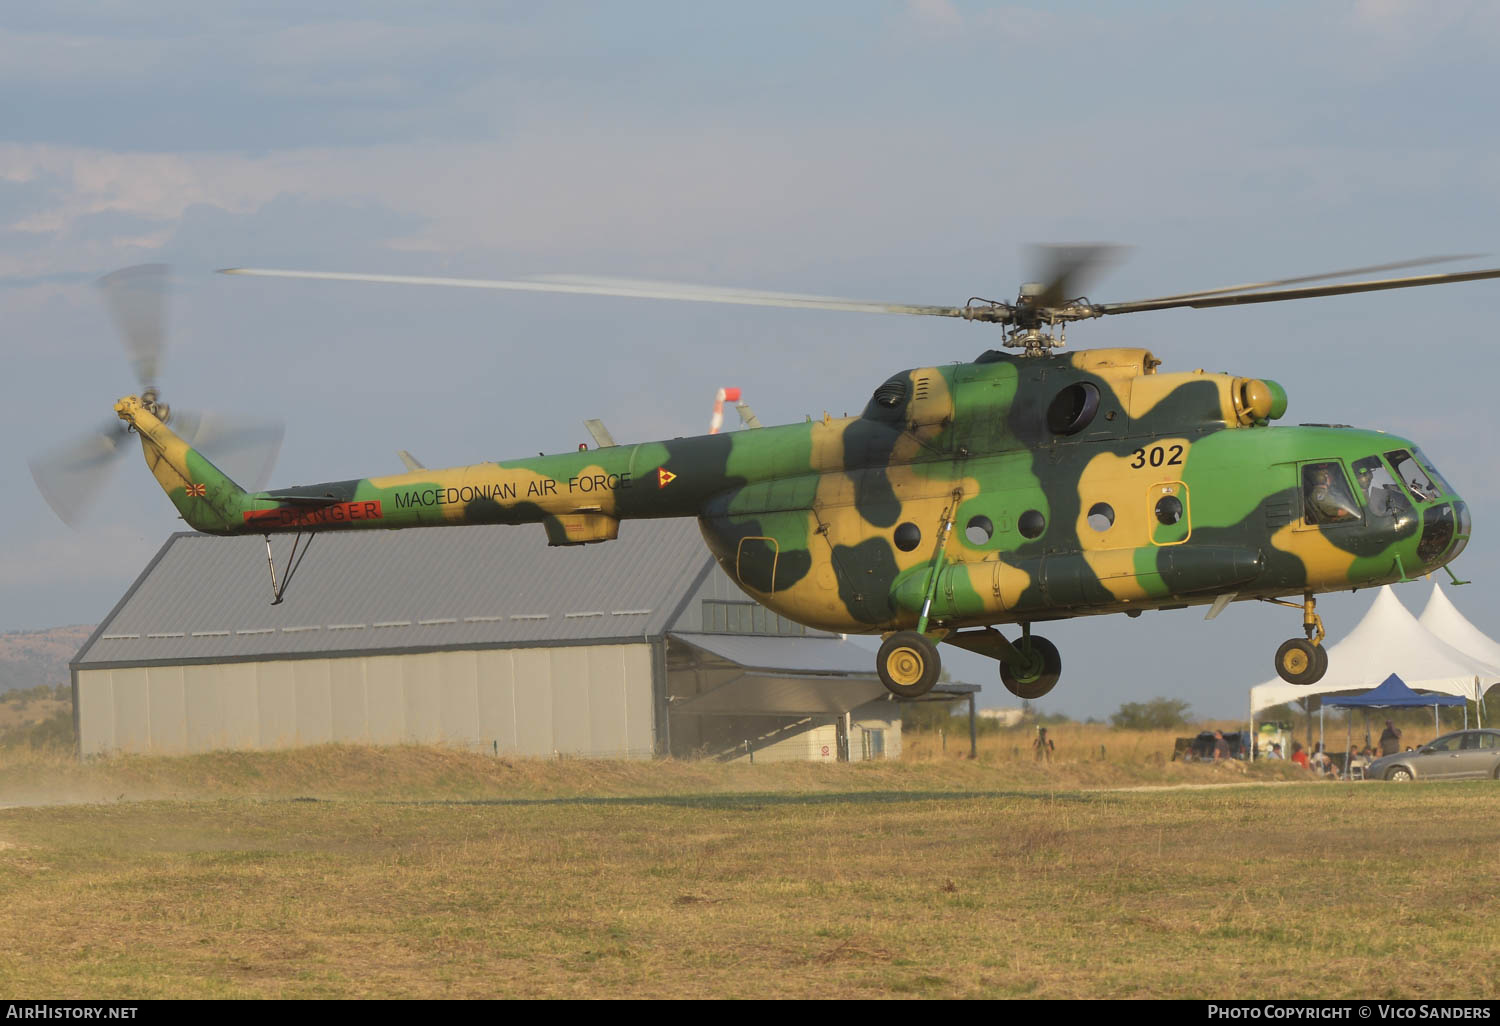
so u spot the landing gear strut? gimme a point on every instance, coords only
(908, 663)
(1303, 660)
(1028, 669)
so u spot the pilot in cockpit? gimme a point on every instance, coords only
(1382, 495)
(1377, 498)
(1324, 500)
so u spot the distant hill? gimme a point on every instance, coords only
(29, 658)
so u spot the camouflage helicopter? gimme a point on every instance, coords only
(1011, 490)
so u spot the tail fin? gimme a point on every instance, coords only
(205, 496)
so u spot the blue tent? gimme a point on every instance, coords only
(1393, 693)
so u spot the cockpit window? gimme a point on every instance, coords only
(1437, 478)
(1412, 475)
(1326, 496)
(1382, 496)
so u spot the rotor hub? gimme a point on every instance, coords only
(151, 402)
(1034, 341)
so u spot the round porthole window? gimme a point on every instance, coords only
(1101, 516)
(1073, 408)
(908, 536)
(1031, 524)
(979, 530)
(1169, 509)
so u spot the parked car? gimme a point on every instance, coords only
(1465, 753)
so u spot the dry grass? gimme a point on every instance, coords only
(32, 776)
(1075, 742)
(24, 714)
(1131, 750)
(424, 873)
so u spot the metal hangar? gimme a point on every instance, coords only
(479, 637)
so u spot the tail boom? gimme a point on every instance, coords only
(579, 496)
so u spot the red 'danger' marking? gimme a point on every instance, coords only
(293, 516)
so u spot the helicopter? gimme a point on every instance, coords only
(1018, 488)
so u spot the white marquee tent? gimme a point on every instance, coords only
(1390, 640)
(1442, 619)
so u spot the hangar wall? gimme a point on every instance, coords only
(581, 700)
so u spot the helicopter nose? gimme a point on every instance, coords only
(1445, 533)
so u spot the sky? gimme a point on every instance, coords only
(899, 151)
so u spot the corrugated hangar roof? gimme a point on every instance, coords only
(206, 598)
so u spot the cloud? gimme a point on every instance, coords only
(646, 195)
(320, 232)
(32, 59)
(940, 15)
(75, 557)
(22, 193)
(218, 78)
(1407, 30)
(991, 26)
(121, 229)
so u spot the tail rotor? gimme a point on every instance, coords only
(71, 475)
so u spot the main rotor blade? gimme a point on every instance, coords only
(1285, 294)
(1396, 266)
(1066, 270)
(244, 449)
(136, 297)
(636, 289)
(70, 475)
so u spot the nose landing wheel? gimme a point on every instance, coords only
(1303, 660)
(1300, 661)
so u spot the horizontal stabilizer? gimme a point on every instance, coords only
(308, 501)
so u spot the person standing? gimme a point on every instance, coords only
(1221, 747)
(1390, 739)
(1043, 745)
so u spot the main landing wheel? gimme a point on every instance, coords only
(908, 664)
(1036, 678)
(1299, 661)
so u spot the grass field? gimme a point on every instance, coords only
(350, 872)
